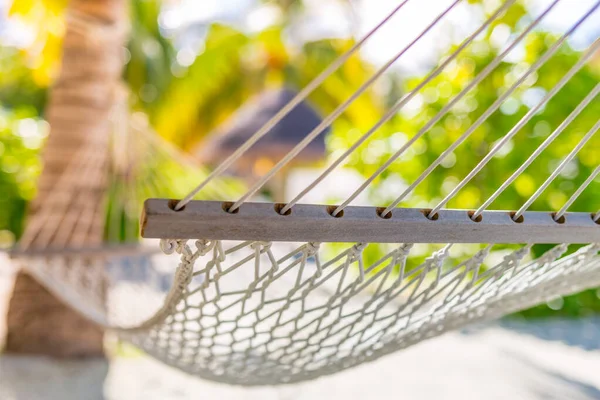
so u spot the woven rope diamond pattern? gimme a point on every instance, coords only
(245, 316)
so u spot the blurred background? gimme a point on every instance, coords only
(204, 75)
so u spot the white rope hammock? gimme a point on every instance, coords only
(120, 282)
(246, 315)
(262, 293)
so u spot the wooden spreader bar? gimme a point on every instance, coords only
(314, 223)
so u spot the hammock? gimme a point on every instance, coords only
(264, 293)
(97, 280)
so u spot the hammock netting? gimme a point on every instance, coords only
(253, 294)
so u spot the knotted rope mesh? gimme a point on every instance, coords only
(248, 315)
(238, 303)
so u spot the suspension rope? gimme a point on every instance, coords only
(47, 220)
(582, 61)
(558, 170)
(582, 105)
(541, 61)
(141, 125)
(401, 103)
(481, 76)
(334, 115)
(301, 96)
(163, 148)
(577, 193)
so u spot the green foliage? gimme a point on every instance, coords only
(18, 87)
(233, 66)
(584, 304)
(150, 56)
(46, 20)
(467, 155)
(208, 91)
(456, 166)
(21, 135)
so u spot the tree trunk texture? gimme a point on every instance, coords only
(78, 112)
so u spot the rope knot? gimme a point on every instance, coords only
(261, 246)
(168, 246)
(404, 250)
(587, 251)
(553, 253)
(204, 246)
(436, 260)
(356, 251)
(311, 248)
(479, 257)
(516, 256)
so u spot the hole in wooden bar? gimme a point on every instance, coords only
(380, 211)
(279, 206)
(331, 210)
(592, 215)
(227, 205)
(518, 220)
(173, 203)
(560, 220)
(427, 211)
(478, 218)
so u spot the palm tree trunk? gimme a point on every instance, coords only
(78, 112)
